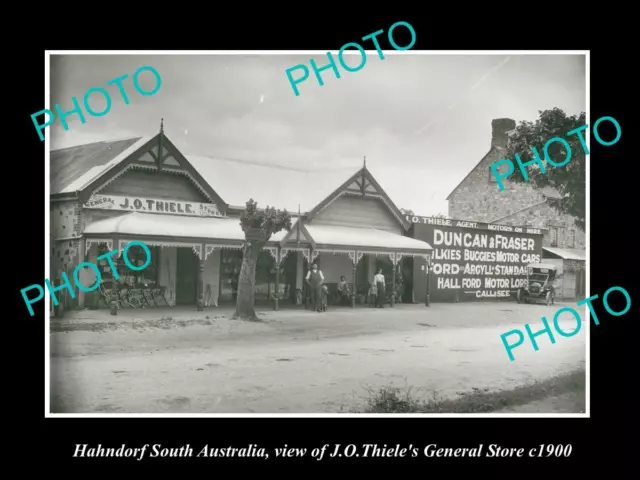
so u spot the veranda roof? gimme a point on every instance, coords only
(148, 225)
(158, 225)
(567, 253)
(331, 236)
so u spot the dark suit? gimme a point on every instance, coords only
(315, 282)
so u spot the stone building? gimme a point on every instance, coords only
(478, 198)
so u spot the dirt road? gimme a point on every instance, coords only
(298, 362)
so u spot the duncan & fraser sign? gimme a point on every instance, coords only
(473, 260)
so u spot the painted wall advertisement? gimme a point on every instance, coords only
(474, 261)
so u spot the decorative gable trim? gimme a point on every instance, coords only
(170, 160)
(146, 158)
(193, 175)
(154, 168)
(135, 161)
(361, 184)
(303, 231)
(105, 176)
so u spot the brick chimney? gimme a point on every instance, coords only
(499, 129)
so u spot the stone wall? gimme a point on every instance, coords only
(547, 217)
(66, 219)
(66, 223)
(478, 198)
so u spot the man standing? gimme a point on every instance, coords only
(378, 279)
(315, 280)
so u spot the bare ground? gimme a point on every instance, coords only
(295, 361)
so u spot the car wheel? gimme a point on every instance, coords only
(548, 299)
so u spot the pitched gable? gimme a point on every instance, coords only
(360, 201)
(492, 150)
(152, 164)
(481, 174)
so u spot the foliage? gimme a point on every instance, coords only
(391, 399)
(569, 180)
(270, 220)
(258, 226)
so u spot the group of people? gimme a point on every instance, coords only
(320, 292)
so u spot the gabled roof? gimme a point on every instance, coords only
(76, 168)
(493, 148)
(298, 233)
(73, 167)
(548, 192)
(95, 165)
(362, 182)
(82, 169)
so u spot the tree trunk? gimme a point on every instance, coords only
(246, 283)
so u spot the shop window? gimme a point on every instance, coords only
(572, 239)
(230, 265)
(553, 232)
(137, 256)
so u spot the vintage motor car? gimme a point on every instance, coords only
(540, 284)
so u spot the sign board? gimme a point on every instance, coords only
(153, 205)
(447, 222)
(469, 262)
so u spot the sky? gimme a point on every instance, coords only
(422, 121)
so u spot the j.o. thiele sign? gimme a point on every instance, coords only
(152, 205)
(472, 260)
(447, 222)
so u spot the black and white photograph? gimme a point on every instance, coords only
(280, 233)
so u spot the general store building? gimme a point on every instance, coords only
(186, 209)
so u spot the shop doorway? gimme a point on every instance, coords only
(186, 277)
